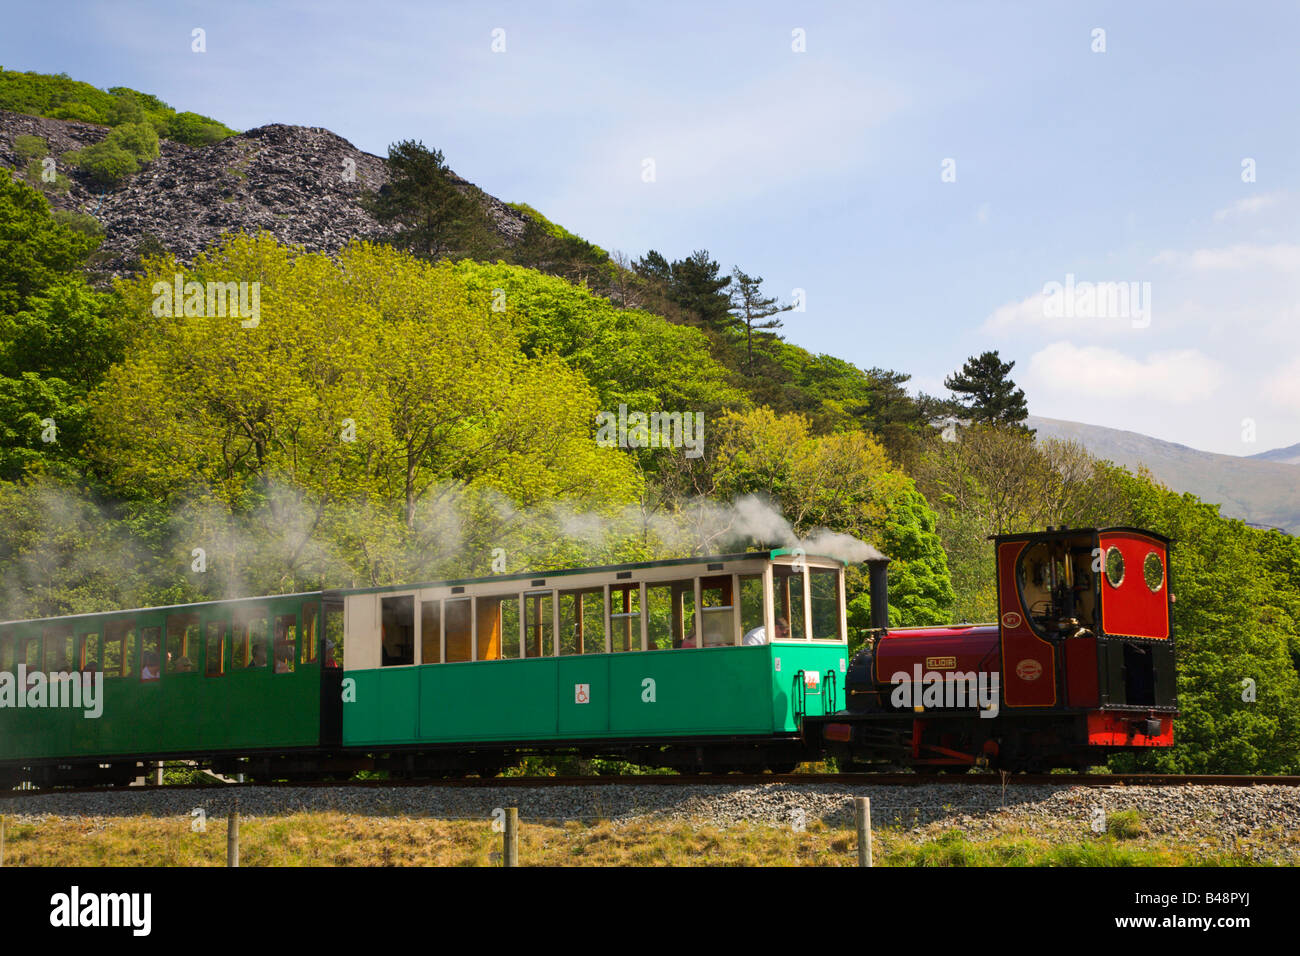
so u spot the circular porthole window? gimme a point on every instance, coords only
(1114, 566)
(1153, 569)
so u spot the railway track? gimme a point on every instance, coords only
(738, 779)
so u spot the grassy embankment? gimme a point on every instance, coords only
(335, 839)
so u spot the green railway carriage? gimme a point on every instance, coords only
(702, 663)
(578, 657)
(187, 681)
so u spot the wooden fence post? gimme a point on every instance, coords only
(232, 839)
(510, 854)
(862, 811)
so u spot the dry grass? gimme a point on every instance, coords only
(334, 839)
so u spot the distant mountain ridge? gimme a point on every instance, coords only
(1289, 455)
(1261, 490)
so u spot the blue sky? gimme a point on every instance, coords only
(823, 170)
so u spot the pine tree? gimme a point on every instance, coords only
(654, 266)
(435, 216)
(986, 393)
(697, 287)
(753, 310)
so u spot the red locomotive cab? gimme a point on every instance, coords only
(1085, 620)
(1079, 663)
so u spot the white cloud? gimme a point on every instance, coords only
(1028, 311)
(1249, 206)
(1075, 307)
(1282, 256)
(1284, 386)
(1092, 372)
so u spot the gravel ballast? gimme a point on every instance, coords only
(1217, 813)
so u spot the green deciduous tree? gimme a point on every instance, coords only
(61, 97)
(841, 482)
(57, 336)
(1234, 621)
(194, 130)
(375, 388)
(997, 480)
(35, 251)
(631, 357)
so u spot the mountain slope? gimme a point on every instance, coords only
(302, 184)
(1289, 455)
(1258, 491)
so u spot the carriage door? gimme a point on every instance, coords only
(809, 694)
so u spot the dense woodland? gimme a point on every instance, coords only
(397, 412)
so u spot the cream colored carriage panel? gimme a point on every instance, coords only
(361, 631)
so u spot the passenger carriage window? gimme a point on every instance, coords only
(430, 637)
(6, 653)
(58, 650)
(489, 628)
(31, 655)
(286, 643)
(334, 635)
(670, 615)
(510, 617)
(538, 624)
(248, 640)
(457, 611)
(824, 585)
(789, 599)
(625, 617)
(398, 631)
(240, 653)
(310, 647)
(498, 627)
(112, 654)
(752, 628)
(182, 643)
(717, 610)
(88, 651)
(150, 649)
(119, 648)
(215, 649)
(582, 622)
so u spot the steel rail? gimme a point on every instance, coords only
(735, 780)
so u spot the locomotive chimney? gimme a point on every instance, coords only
(878, 578)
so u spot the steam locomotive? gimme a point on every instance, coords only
(1080, 663)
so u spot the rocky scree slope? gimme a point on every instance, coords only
(301, 184)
